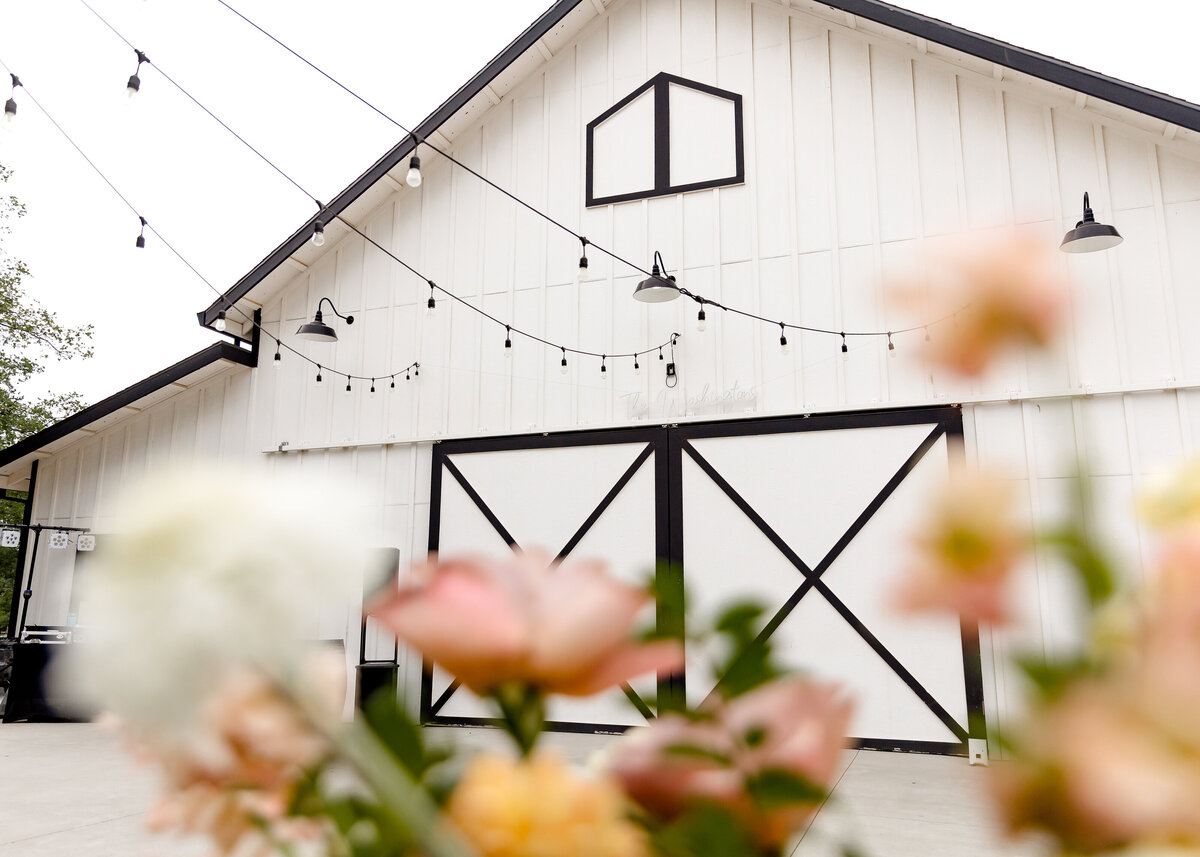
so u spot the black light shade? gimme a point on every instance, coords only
(1088, 236)
(656, 288)
(317, 330)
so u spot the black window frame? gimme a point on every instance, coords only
(661, 84)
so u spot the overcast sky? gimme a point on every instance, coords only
(225, 210)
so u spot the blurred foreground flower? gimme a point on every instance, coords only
(966, 551)
(560, 630)
(768, 757)
(207, 570)
(251, 745)
(539, 807)
(1002, 293)
(1173, 499)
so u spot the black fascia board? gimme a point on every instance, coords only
(543, 25)
(1137, 98)
(188, 365)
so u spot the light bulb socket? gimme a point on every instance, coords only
(372, 385)
(318, 235)
(141, 242)
(135, 84)
(891, 345)
(219, 324)
(845, 347)
(10, 108)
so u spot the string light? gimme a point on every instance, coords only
(141, 239)
(783, 343)
(845, 348)
(135, 82)
(701, 318)
(318, 236)
(407, 377)
(10, 106)
(637, 370)
(372, 386)
(891, 345)
(348, 390)
(660, 354)
(582, 273)
(414, 172)
(563, 367)
(318, 373)
(431, 303)
(926, 333)
(417, 369)
(393, 384)
(219, 325)
(507, 341)
(278, 361)
(603, 369)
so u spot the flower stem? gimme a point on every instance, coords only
(524, 712)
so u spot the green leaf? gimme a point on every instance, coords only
(1051, 678)
(777, 787)
(692, 751)
(705, 831)
(402, 736)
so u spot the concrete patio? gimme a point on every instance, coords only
(70, 789)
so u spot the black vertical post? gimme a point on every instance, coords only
(669, 547)
(22, 550)
(28, 593)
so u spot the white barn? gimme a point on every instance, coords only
(780, 155)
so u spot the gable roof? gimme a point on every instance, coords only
(1169, 109)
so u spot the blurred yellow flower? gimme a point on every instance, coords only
(1173, 499)
(541, 808)
(966, 550)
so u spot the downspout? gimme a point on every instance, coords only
(22, 549)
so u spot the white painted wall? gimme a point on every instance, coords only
(860, 152)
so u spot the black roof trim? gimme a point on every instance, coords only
(1137, 98)
(1157, 104)
(186, 366)
(543, 25)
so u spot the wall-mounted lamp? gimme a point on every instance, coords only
(317, 330)
(1089, 236)
(657, 288)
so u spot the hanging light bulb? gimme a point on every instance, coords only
(414, 172)
(318, 236)
(407, 377)
(318, 373)
(891, 345)
(783, 343)
(141, 239)
(219, 325)
(372, 386)
(701, 320)
(845, 348)
(10, 106)
(417, 370)
(926, 334)
(135, 82)
(348, 390)
(581, 273)
(393, 384)
(507, 341)
(637, 369)
(563, 366)
(603, 369)
(431, 303)
(278, 361)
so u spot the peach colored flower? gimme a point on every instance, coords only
(793, 725)
(1003, 292)
(540, 808)
(564, 630)
(966, 551)
(1099, 774)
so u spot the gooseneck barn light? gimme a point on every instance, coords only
(1088, 236)
(657, 288)
(317, 330)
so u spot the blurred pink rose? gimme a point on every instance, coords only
(489, 622)
(966, 550)
(1003, 292)
(1099, 774)
(793, 725)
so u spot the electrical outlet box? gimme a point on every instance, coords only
(671, 370)
(977, 751)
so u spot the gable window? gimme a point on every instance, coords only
(670, 135)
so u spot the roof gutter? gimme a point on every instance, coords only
(544, 24)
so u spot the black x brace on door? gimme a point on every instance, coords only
(665, 449)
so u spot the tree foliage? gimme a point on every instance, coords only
(30, 335)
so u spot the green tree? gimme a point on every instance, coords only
(30, 335)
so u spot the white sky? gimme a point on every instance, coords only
(225, 210)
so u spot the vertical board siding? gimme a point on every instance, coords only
(861, 155)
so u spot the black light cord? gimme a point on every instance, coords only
(354, 228)
(248, 317)
(548, 218)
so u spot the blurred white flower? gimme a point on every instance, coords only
(207, 569)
